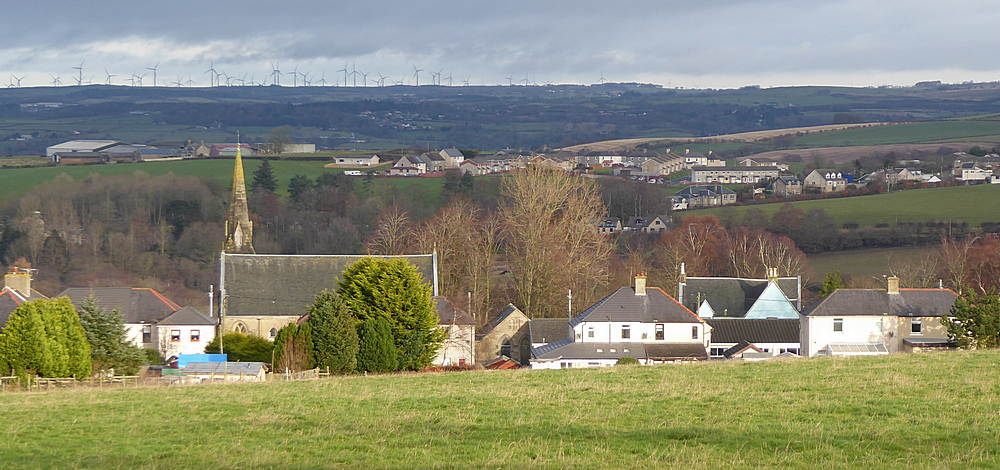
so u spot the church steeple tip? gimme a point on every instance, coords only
(239, 227)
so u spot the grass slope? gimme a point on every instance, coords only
(972, 204)
(904, 411)
(866, 263)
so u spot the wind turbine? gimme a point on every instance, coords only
(345, 73)
(510, 80)
(154, 69)
(416, 75)
(449, 79)
(139, 77)
(466, 81)
(440, 72)
(178, 82)
(189, 82)
(295, 76)
(354, 75)
(11, 85)
(109, 75)
(322, 80)
(275, 75)
(305, 78)
(364, 78)
(212, 74)
(381, 80)
(17, 79)
(601, 80)
(55, 80)
(79, 77)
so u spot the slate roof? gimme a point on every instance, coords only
(262, 285)
(769, 330)
(548, 330)
(453, 152)
(731, 296)
(137, 305)
(739, 348)
(187, 316)
(623, 305)
(449, 315)
(661, 351)
(703, 190)
(908, 303)
(10, 299)
(506, 312)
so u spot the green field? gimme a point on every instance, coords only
(911, 133)
(972, 204)
(866, 263)
(903, 411)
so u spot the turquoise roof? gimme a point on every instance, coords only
(706, 310)
(772, 303)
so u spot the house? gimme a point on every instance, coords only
(73, 146)
(357, 160)
(825, 181)
(706, 196)
(225, 371)
(693, 160)
(773, 336)
(409, 165)
(452, 157)
(678, 203)
(266, 292)
(662, 165)
(969, 172)
(505, 336)
(473, 168)
(555, 161)
(653, 224)
(610, 225)
(435, 162)
(735, 297)
(786, 186)
(16, 291)
(638, 322)
(752, 162)
(151, 320)
(733, 174)
(200, 150)
(864, 322)
(459, 346)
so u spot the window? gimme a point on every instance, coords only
(565, 365)
(789, 350)
(195, 336)
(147, 334)
(175, 336)
(590, 332)
(461, 362)
(626, 331)
(838, 324)
(273, 332)
(694, 332)
(594, 364)
(717, 352)
(916, 326)
(505, 347)
(659, 332)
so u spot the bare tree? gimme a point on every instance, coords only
(915, 271)
(549, 219)
(953, 258)
(751, 252)
(392, 233)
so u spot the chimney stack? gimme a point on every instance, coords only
(18, 279)
(892, 285)
(684, 275)
(640, 284)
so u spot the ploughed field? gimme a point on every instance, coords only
(936, 410)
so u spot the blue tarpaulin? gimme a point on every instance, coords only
(184, 359)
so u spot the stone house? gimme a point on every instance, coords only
(507, 335)
(704, 196)
(785, 186)
(825, 180)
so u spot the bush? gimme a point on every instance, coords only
(242, 348)
(334, 334)
(377, 351)
(45, 338)
(293, 348)
(627, 361)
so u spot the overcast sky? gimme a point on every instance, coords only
(695, 44)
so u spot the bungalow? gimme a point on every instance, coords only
(825, 180)
(653, 224)
(637, 322)
(151, 320)
(473, 168)
(225, 371)
(864, 322)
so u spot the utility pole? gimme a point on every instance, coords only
(211, 300)
(569, 308)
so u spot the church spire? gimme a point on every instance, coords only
(239, 228)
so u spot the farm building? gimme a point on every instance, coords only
(357, 160)
(74, 146)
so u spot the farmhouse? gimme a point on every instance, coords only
(733, 174)
(825, 181)
(637, 322)
(862, 322)
(151, 320)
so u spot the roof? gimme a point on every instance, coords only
(287, 285)
(739, 348)
(624, 305)
(548, 330)
(660, 351)
(733, 296)
(772, 303)
(452, 152)
(908, 303)
(224, 368)
(136, 305)
(83, 145)
(10, 299)
(767, 330)
(507, 311)
(856, 348)
(188, 316)
(760, 169)
(693, 191)
(448, 314)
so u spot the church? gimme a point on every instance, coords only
(260, 293)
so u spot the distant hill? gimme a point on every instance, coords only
(481, 117)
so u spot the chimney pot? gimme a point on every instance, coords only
(892, 285)
(640, 284)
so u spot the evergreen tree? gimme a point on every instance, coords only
(71, 336)
(975, 321)
(394, 290)
(298, 186)
(466, 184)
(24, 345)
(377, 351)
(45, 338)
(242, 348)
(334, 335)
(264, 179)
(833, 281)
(293, 348)
(109, 344)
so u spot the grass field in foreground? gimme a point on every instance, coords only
(903, 411)
(972, 204)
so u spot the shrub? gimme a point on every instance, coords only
(242, 348)
(334, 334)
(377, 351)
(627, 361)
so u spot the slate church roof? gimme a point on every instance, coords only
(732, 296)
(286, 285)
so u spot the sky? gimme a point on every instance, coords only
(691, 44)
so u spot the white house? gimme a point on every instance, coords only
(357, 160)
(638, 322)
(459, 346)
(452, 157)
(863, 322)
(152, 321)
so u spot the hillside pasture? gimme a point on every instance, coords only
(970, 204)
(903, 411)
(869, 263)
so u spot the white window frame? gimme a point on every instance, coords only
(838, 325)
